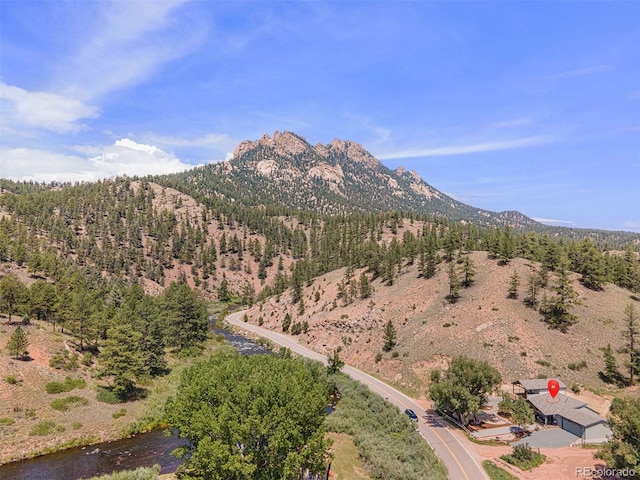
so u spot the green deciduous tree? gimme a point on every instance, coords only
(463, 389)
(257, 417)
(623, 450)
(334, 362)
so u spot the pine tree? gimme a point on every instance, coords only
(18, 343)
(533, 286)
(610, 364)
(365, 286)
(514, 283)
(468, 271)
(389, 336)
(286, 323)
(454, 284)
(13, 293)
(557, 311)
(122, 358)
(631, 334)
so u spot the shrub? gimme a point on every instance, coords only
(76, 425)
(107, 395)
(544, 363)
(45, 428)
(63, 404)
(12, 380)
(142, 473)
(575, 388)
(385, 438)
(577, 366)
(395, 354)
(378, 356)
(4, 421)
(62, 361)
(524, 457)
(120, 413)
(66, 386)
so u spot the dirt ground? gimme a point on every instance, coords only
(27, 403)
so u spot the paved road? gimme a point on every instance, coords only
(461, 463)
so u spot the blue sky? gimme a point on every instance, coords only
(531, 106)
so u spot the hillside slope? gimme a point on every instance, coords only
(483, 324)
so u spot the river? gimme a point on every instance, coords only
(143, 450)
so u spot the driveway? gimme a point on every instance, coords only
(554, 438)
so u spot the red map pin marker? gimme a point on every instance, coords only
(554, 387)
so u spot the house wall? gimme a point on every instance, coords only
(570, 426)
(597, 433)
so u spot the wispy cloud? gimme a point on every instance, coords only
(124, 157)
(466, 149)
(221, 140)
(517, 122)
(553, 221)
(43, 110)
(581, 72)
(135, 38)
(631, 224)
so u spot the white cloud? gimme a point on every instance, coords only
(43, 110)
(220, 140)
(631, 224)
(553, 221)
(581, 72)
(466, 149)
(518, 122)
(123, 157)
(134, 39)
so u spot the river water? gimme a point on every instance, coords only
(143, 450)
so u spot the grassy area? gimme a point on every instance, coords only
(142, 473)
(346, 463)
(386, 440)
(495, 472)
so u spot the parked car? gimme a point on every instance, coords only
(411, 414)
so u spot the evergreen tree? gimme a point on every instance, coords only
(13, 293)
(454, 284)
(514, 283)
(286, 323)
(18, 343)
(557, 310)
(185, 316)
(365, 286)
(223, 290)
(390, 335)
(533, 286)
(121, 357)
(631, 334)
(610, 365)
(468, 271)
